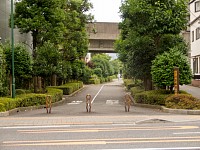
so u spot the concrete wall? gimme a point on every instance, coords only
(5, 31)
(102, 35)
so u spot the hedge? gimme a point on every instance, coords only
(69, 88)
(135, 90)
(182, 101)
(151, 97)
(25, 100)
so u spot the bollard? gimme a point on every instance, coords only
(88, 103)
(48, 103)
(127, 102)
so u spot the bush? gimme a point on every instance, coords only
(135, 90)
(94, 81)
(2, 107)
(153, 97)
(25, 100)
(129, 83)
(69, 88)
(182, 101)
(20, 91)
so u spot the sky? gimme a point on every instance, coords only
(106, 10)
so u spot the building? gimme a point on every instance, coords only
(5, 31)
(195, 40)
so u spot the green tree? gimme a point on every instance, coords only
(145, 25)
(44, 19)
(102, 61)
(75, 44)
(46, 63)
(3, 85)
(163, 65)
(23, 64)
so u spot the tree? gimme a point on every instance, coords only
(23, 64)
(46, 63)
(117, 66)
(162, 69)
(102, 61)
(75, 43)
(145, 24)
(44, 19)
(3, 85)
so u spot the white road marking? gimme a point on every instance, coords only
(36, 127)
(186, 133)
(97, 94)
(175, 148)
(111, 102)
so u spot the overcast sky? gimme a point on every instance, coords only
(106, 10)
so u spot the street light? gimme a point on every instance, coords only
(12, 48)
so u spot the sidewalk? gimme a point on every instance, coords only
(194, 91)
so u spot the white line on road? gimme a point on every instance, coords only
(36, 127)
(176, 148)
(186, 133)
(97, 94)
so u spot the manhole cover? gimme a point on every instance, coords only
(152, 121)
(111, 102)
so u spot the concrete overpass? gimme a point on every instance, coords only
(102, 36)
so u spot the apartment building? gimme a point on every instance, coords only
(5, 31)
(195, 40)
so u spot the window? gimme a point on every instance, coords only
(197, 33)
(195, 65)
(192, 36)
(197, 6)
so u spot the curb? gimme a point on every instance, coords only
(16, 110)
(167, 110)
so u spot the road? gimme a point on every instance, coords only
(108, 126)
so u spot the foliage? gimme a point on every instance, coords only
(44, 19)
(152, 97)
(117, 66)
(162, 68)
(136, 89)
(22, 62)
(77, 69)
(47, 60)
(25, 100)
(3, 85)
(87, 74)
(98, 72)
(182, 101)
(76, 41)
(102, 61)
(149, 28)
(69, 88)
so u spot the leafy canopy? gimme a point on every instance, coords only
(163, 65)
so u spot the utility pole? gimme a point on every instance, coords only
(12, 48)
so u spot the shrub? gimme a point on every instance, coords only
(153, 97)
(20, 91)
(2, 107)
(182, 101)
(94, 81)
(25, 100)
(135, 90)
(69, 88)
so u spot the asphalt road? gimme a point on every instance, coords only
(108, 126)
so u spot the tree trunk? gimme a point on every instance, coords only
(39, 82)
(35, 84)
(148, 84)
(34, 34)
(53, 80)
